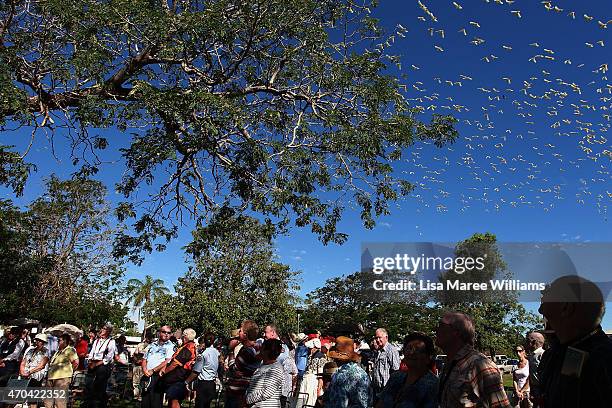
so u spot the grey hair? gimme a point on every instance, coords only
(463, 325)
(383, 330)
(190, 334)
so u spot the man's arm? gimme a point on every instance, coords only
(394, 360)
(491, 387)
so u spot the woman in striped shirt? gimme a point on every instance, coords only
(265, 388)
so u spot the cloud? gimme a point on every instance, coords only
(384, 224)
(296, 258)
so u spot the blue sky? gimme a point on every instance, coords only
(530, 163)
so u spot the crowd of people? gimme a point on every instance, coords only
(569, 365)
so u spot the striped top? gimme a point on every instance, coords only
(266, 386)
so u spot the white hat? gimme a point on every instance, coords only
(42, 337)
(301, 337)
(313, 343)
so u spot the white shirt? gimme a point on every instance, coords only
(103, 349)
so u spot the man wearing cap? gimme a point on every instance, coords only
(577, 370)
(386, 361)
(350, 385)
(157, 355)
(100, 359)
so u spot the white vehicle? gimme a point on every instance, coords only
(507, 366)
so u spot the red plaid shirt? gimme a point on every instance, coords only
(473, 381)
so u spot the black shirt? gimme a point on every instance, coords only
(592, 389)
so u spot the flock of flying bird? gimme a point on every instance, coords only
(534, 138)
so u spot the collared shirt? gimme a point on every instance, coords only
(103, 349)
(471, 380)
(301, 357)
(33, 357)
(349, 388)
(207, 364)
(16, 353)
(589, 385)
(60, 365)
(387, 360)
(158, 352)
(290, 370)
(534, 359)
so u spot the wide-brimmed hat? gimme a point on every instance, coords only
(313, 343)
(344, 350)
(301, 337)
(42, 337)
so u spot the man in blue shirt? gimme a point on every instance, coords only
(158, 354)
(205, 369)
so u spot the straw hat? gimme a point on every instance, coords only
(344, 350)
(42, 337)
(301, 337)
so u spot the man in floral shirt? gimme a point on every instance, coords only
(350, 385)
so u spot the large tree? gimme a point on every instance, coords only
(350, 301)
(287, 108)
(501, 321)
(55, 259)
(234, 276)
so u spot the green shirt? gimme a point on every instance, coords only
(60, 365)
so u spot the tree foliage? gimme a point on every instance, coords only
(500, 319)
(234, 276)
(285, 108)
(347, 300)
(141, 293)
(55, 257)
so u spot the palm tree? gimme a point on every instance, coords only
(142, 293)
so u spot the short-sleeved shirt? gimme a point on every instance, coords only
(33, 358)
(301, 357)
(316, 362)
(60, 365)
(471, 380)
(207, 364)
(421, 394)
(387, 360)
(349, 388)
(157, 353)
(184, 356)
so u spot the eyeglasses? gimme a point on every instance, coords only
(165, 332)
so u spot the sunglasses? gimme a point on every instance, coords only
(165, 332)
(519, 350)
